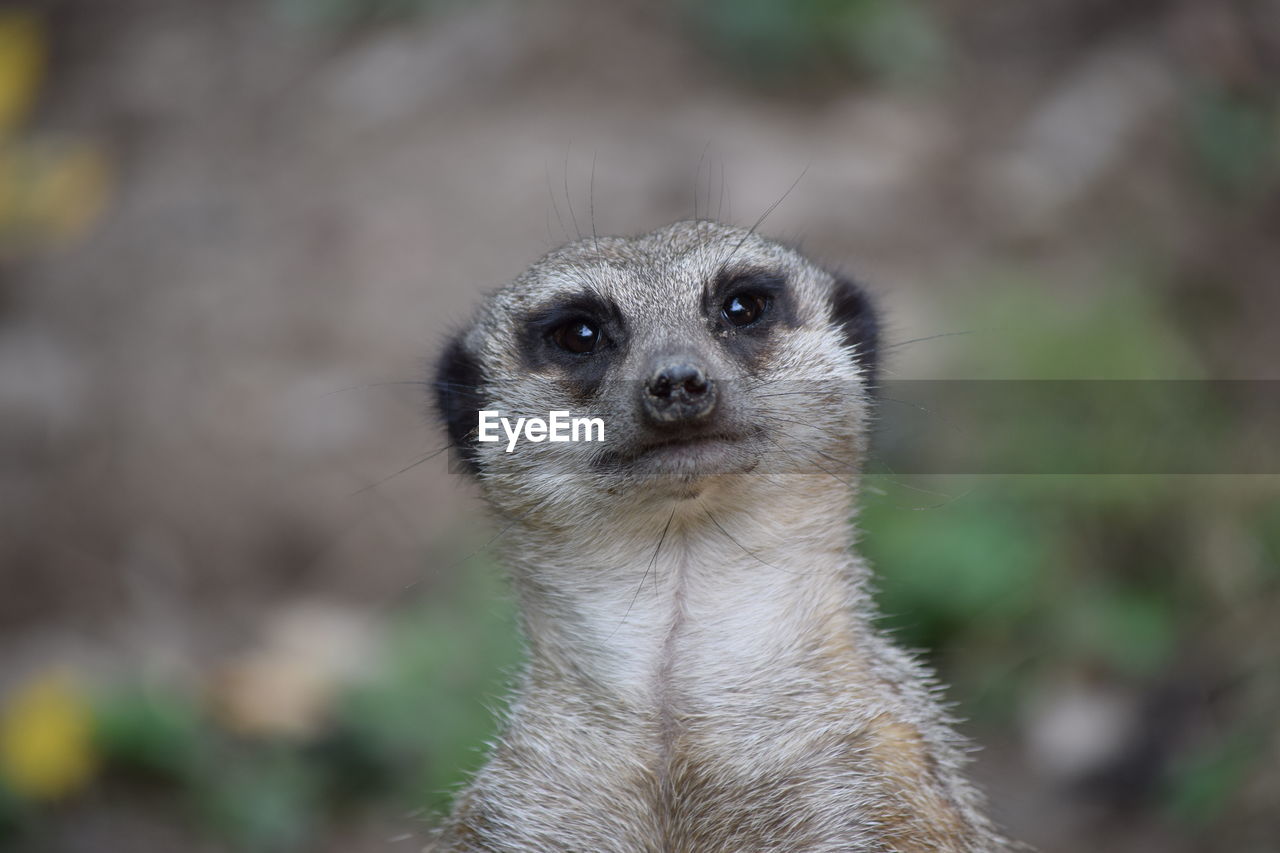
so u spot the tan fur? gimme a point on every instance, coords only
(704, 674)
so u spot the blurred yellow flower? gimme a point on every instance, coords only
(46, 738)
(22, 55)
(50, 191)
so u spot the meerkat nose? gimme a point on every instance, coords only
(678, 392)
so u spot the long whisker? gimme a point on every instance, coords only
(899, 344)
(591, 201)
(368, 385)
(697, 178)
(783, 394)
(743, 548)
(555, 205)
(485, 547)
(652, 562)
(720, 208)
(794, 456)
(567, 197)
(765, 215)
(414, 464)
(893, 477)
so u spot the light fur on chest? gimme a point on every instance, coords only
(705, 681)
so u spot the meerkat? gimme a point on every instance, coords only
(704, 671)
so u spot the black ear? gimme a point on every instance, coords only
(853, 311)
(458, 399)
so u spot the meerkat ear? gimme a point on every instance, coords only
(853, 311)
(458, 400)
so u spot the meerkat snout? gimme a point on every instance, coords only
(678, 393)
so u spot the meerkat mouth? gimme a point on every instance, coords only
(688, 457)
(685, 444)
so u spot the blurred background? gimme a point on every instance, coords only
(242, 609)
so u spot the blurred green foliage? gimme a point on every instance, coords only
(995, 579)
(1236, 139)
(1007, 583)
(963, 562)
(11, 813)
(1001, 569)
(778, 41)
(1207, 781)
(261, 797)
(151, 733)
(409, 732)
(343, 14)
(1032, 325)
(435, 702)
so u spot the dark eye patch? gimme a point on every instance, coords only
(747, 304)
(576, 335)
(749, 285)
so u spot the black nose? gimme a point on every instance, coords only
(678, 392)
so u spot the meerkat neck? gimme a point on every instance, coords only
(704, 593)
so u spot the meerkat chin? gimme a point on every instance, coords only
(704, 672)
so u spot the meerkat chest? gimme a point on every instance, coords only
(740, 774)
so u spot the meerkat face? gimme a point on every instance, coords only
(706, 352)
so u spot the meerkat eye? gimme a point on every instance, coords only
(576, 336)
(743, 309)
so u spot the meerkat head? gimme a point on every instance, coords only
(708, 353)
